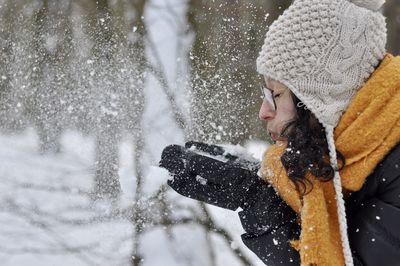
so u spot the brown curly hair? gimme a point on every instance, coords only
(307, 148)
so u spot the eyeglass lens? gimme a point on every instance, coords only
(268, 97)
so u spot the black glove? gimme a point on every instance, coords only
(270, 224)
(209, 174)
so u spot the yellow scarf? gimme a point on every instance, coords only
(367, 131)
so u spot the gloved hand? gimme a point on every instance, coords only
(209, 174)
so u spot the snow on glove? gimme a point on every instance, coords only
(231, 154)
(209, 174)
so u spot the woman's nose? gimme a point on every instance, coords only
(266, 111)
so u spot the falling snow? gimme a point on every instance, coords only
(90, 95)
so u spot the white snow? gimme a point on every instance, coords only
(46, 214)
(45, 209)
(201, 180)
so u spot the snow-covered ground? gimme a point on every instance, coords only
(45, 208)
(47, 217)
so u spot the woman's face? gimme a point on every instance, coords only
(284, 112)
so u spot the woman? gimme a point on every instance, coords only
(331, 104)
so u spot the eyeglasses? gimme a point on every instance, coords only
(268, 97)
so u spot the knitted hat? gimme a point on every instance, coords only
(324, 51)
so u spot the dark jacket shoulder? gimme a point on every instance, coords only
(384, 183)
(373, 215)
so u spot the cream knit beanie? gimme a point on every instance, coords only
(324, 51)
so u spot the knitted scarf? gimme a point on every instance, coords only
(367, 131)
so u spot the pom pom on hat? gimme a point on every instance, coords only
(373, 5)
(324, 61)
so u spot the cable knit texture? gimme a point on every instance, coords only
(363, 144)
(324, 51)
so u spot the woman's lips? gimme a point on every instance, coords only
(274, 136)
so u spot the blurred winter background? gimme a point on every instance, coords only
(91, 92)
